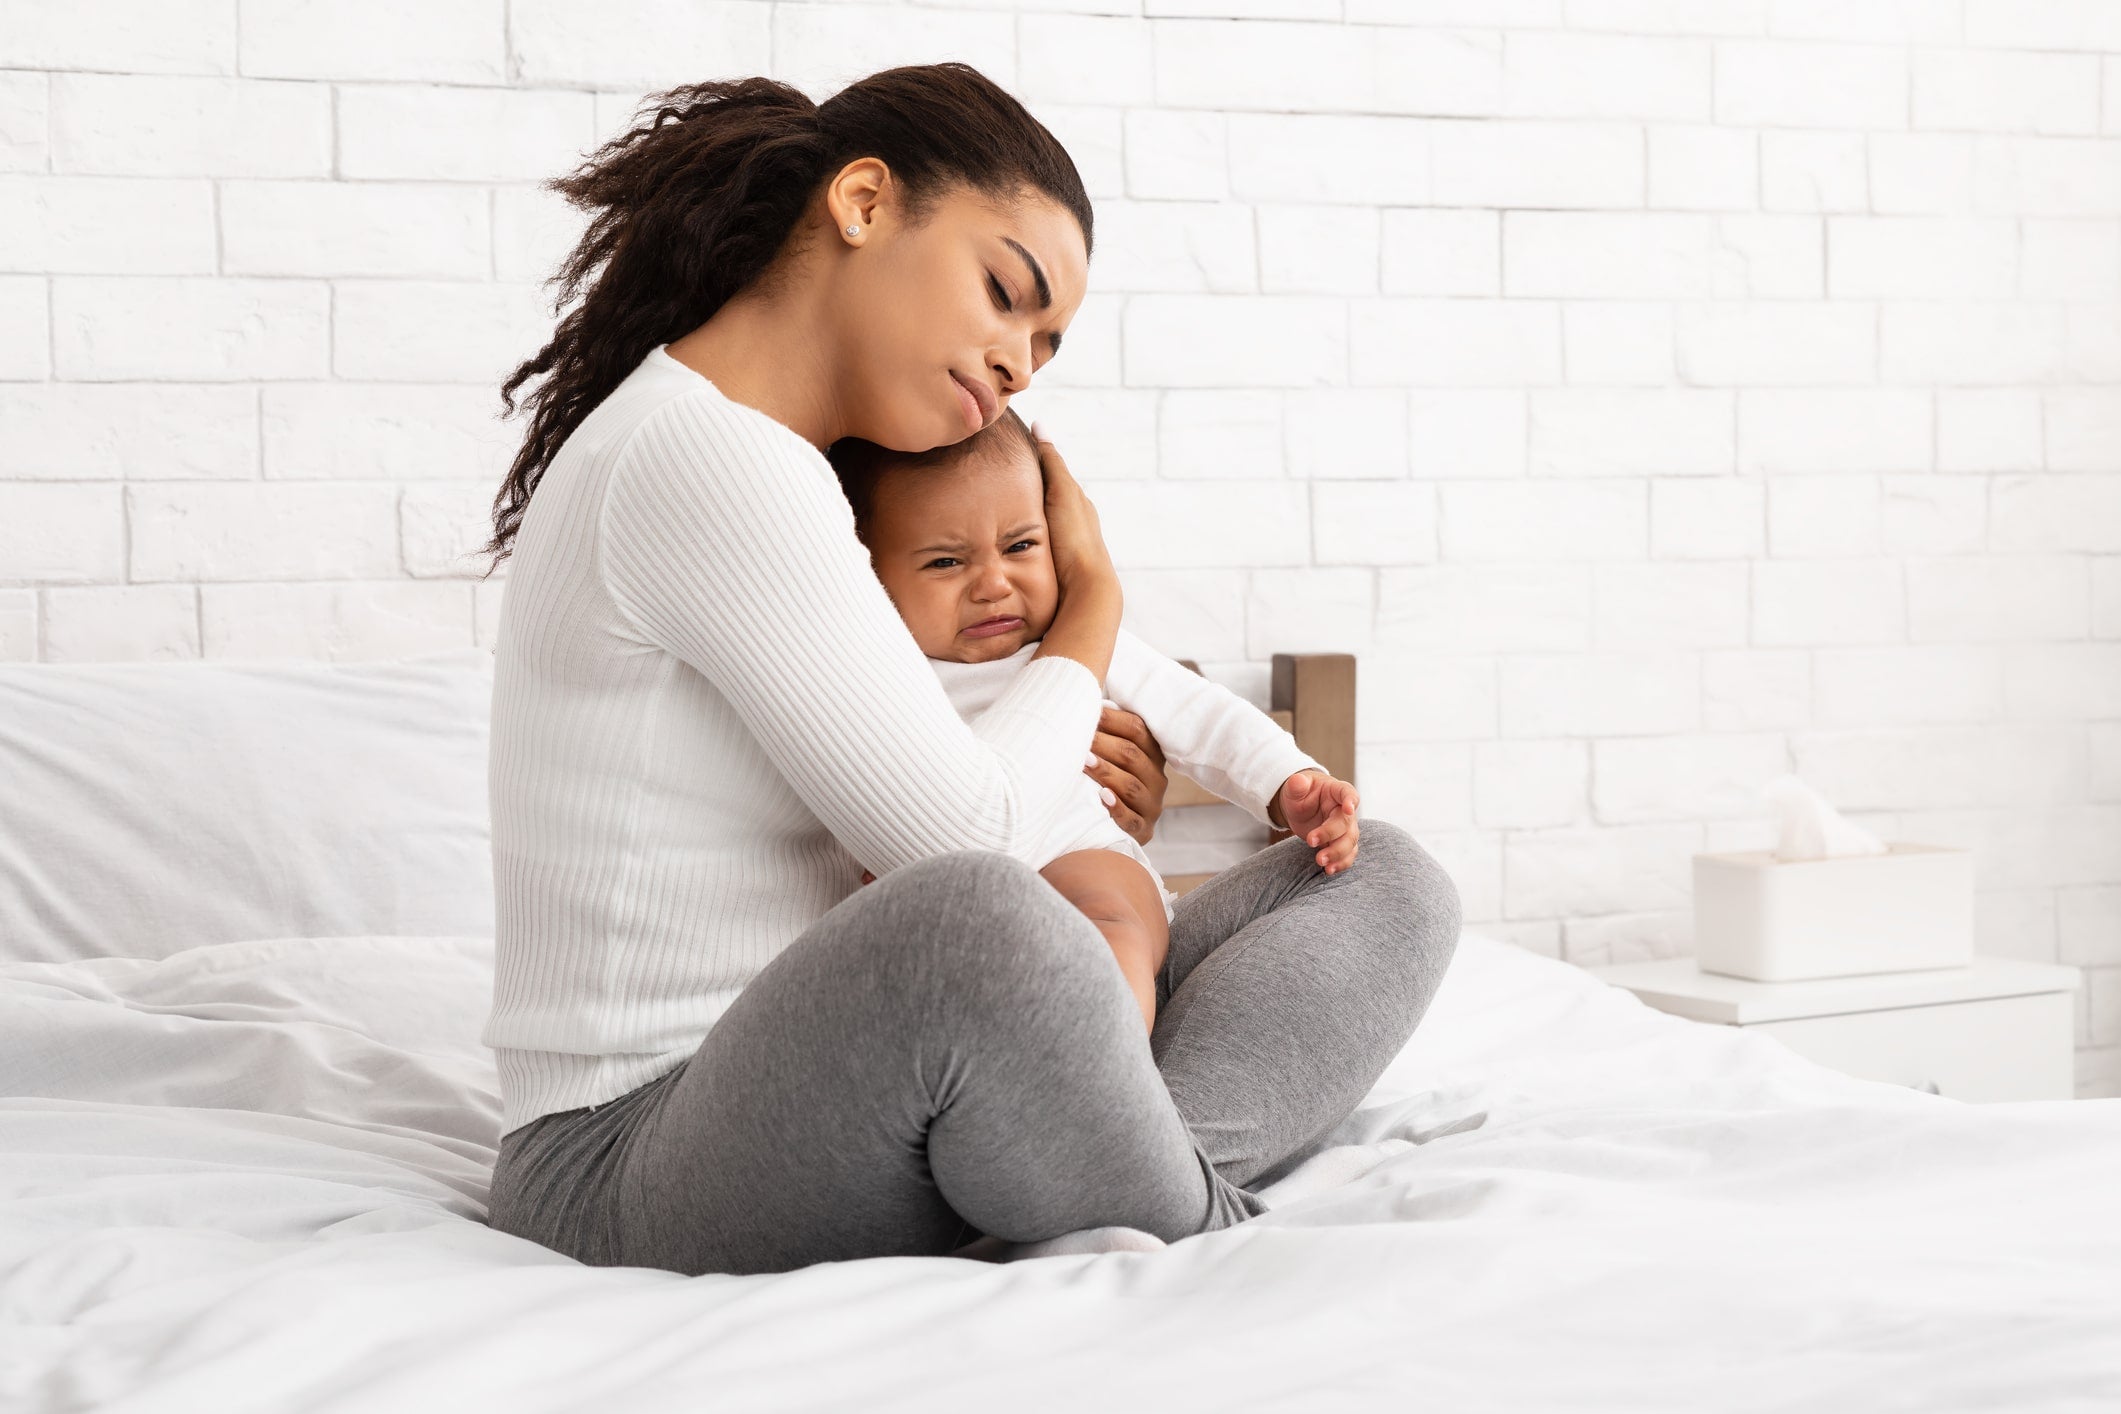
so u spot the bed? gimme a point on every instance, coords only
(243, 1166)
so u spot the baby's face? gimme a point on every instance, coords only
(959, 547)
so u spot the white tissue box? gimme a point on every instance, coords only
(1775, 920)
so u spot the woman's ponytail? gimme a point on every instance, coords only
(686, 207)
(697, 200)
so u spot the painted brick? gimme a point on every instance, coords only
(387, 132)
(397, 40)
(148, 126)
(262, 531)
(134, 431)
(25, 328)
(121, 623)
(637, 44)
(409, 229)
(335, 622)
(203, 329)
(25, 121)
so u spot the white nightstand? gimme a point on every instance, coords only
(2001, 1029)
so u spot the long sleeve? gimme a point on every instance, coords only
(1206, 730)
(724, 539)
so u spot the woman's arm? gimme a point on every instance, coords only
(725, 540)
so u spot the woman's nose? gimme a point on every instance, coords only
(1013, 368)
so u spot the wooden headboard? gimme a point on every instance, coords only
(1312, 696)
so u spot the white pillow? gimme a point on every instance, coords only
(150, 807)
(376, 1033)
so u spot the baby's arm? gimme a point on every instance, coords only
(1223, 741)
(1118, 895)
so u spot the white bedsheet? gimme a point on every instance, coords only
(251, 1177)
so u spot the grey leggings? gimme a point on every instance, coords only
(952, 1051)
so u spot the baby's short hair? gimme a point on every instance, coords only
(861, 465)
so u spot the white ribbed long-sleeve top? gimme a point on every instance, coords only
(707, 719)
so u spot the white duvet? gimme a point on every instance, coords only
(252, 1177)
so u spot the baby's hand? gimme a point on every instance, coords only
(1321, 809)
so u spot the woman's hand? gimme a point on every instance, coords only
(1124, 759)
(1080, 558)
(1128, 763)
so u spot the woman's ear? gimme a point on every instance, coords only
(857, 196)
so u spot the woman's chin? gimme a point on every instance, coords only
(951, 426)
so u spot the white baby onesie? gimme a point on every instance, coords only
(1206, 731)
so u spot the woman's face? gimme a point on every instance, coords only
(947, 321)
(962, 547)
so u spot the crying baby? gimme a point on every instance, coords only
(957, 535)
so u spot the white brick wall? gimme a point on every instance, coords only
(1656, 397)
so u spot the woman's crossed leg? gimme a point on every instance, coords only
(953, 1051)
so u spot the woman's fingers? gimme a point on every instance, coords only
(1119, 722)
(1125, 791)
(1059, 480)
(1122, 757)
(1131, 804)
(1125, 798)
(1127, 761)
(1073, 531)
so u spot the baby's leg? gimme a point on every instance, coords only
(1121, 898)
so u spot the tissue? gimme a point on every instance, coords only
(1830, 900)
(1811, 828)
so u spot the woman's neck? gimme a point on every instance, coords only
(766, 357)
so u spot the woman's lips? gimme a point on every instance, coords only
(987, 628)
(969, 405)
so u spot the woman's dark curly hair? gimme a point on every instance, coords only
(698, 199)
(860, 463)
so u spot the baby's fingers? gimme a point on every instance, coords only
(1340, 854)
(1331, 829)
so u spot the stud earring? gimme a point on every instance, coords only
(854, 230)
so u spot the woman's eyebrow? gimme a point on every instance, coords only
(1038, 275)
(1045, 291)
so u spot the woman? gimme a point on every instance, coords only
(718, 1050)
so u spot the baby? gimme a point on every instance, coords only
(957, 535)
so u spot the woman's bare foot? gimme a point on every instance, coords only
(1069, 1244)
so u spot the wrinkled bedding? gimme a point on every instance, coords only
(251, 1176)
